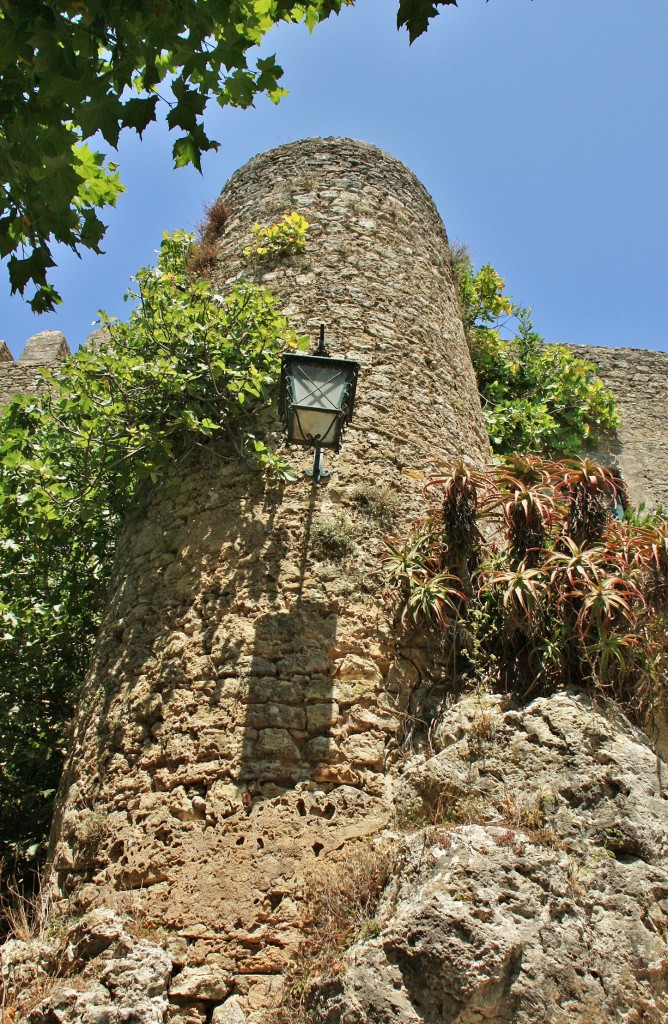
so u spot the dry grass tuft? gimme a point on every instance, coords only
(24, 914)
(216, 216)
(204, 252)
(378, 503)
(202, 259)
(333, 537)
(341, 901)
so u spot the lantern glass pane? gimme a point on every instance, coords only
(320, 387)
(312, 425)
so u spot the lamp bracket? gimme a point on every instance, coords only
(323, 474)
(318, 472)
(322, 348)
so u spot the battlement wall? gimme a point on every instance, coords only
(639, 380)
(43, 351)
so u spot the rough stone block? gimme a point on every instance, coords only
(45, 348)
(277, 716)
(321, 717)
(205, 982)
(229, 1013)
(278, 744)
(365, 749)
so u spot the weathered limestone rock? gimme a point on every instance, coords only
(23, 965)
(97, 973)
(552, 908)
(229, 1013)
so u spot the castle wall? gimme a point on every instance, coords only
(239, 717)
(239, 720)
(44, 351)
(639, 380)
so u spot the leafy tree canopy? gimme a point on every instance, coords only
(72, 69)
(416, 14)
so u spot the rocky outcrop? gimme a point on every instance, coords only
(96, 972)
(547, 903)
(530, 886)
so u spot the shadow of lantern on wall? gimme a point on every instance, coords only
(316, 401)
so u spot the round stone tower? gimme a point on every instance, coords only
(248, 682)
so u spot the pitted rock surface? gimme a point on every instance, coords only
(98, 973)
(496, 922)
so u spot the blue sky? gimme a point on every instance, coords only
(538, 127)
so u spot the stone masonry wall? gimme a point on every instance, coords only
(45, 350)
(240, 712)
(639, 380)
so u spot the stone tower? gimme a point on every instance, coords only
(246, 686)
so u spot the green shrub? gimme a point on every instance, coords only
(535, 397)
(189, 369)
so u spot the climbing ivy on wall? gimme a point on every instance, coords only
(189, 368)
(536, 397)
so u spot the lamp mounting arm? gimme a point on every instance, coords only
(321, 349)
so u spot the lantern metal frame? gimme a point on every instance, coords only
(294, 363)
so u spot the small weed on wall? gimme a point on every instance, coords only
(377, 503)
(333, 537)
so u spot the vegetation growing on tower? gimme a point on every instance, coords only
(536, 397)
(563, 593)
(189, 369)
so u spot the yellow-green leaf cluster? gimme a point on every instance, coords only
(286, 237)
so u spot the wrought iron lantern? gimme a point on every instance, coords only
(316, 400)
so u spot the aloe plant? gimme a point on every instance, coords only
(559, 593)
